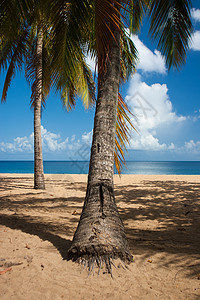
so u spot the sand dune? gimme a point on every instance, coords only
(162, 219)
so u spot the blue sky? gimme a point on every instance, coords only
(165, 104)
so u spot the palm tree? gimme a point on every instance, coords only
(14, 46)
(15, 51)
(100, 235)
(70, 79)
(31, 45)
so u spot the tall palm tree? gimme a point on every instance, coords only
(70, 76)
(100, 234)
(31, 45)
(14, 52)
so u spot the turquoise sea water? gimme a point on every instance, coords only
(81, 167)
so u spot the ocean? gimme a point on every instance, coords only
(81, 167)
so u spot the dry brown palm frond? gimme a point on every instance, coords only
(123, 128)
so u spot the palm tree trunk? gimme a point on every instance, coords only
(100, 233)
(38, 160)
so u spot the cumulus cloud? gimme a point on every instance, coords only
(195, 13)
(73, 138)
(195, 42)
(87, 137)
(195, 39)
(19, 144)
(72, 148)
(193, 146)
(146, 141)
(148, 61)
(51, 142)
(151, 106)
(150, 103)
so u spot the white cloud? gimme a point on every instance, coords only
(50, 141)
(73, 138)
(87, 137)
(73, 149)
(193, 146)
(150, 103)
(195, 42)
(152, 108)
(148, 61)
(146, 141)
(195, 39)
(19, 144)
(171, 146)
(195, 14)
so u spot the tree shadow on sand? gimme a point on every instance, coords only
(164, 218)
(8, 182)
(33, 211)
(159, 216)
(35, 226)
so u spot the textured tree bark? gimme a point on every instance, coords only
(100, 233)
(38, 160)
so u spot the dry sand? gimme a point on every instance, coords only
(162, 220)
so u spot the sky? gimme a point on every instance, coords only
(165, 107)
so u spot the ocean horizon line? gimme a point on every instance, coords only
(82, 167)
(12, 160)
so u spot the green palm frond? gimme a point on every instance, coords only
(85, 85)
(129, 56)
(136, 11)
(68, 99)
(9, 26)
(12, 58)
(171, 26)
(67, 51)
(30, 66)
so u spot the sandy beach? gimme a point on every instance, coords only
(162, 219)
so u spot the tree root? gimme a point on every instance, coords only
(100, 262)
(103, 263)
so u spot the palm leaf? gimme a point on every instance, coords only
(67, 50)
(12, 54)
(171, 26)
(129, 56)
(123, 128)
(136, 10)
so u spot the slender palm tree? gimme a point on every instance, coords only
(100, 234)
(31, 45)
(14, 46)
(15, 51)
